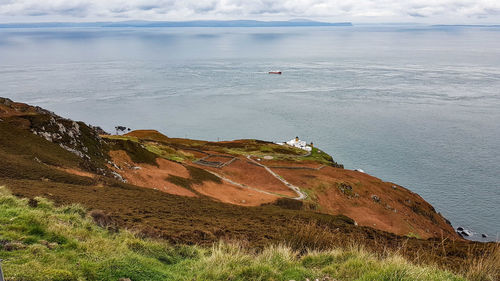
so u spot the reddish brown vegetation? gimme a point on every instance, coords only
(33, 166)
(228, 193)
(368, 200)
(151, 176)
(243, 172)
(371, 202)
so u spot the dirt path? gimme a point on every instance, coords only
(240, 184)
(296, 189)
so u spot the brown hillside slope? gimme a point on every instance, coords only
(368, 200)
(34, 166)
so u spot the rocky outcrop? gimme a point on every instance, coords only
(75, 137)
(66, 135)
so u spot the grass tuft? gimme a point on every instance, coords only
(486, 268)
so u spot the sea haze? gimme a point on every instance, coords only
(415, 105)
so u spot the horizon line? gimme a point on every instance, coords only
(290, 22)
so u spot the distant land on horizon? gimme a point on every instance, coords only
(196, 23)
(466, 25)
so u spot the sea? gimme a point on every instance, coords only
(411, 104)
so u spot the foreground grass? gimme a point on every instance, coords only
(39, 241)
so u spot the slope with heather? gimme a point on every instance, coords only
(330, 188)
(198, 192)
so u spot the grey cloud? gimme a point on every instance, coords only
(204, 7)
(417, 15)
(148, 7)
(231, 9)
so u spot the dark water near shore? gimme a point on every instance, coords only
(413, 105)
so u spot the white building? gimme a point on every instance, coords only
(296, 142)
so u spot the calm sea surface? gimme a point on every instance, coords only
(419, 106)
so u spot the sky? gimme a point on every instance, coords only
(358, 11)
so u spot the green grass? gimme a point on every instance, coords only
(135, 150)
(120, 137)
(413, 235)
(62, 243)
(284, 153)
(312, 199)
(154, 148)
(247, 147)
(322, 157)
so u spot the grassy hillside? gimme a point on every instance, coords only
(42, 242)
(244, 147)
(43, 155)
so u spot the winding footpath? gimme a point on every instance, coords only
(296, 189)
(240, 184)
(300, 195)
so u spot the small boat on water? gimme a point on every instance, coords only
(275, 72)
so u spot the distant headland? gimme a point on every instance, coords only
(196, 23)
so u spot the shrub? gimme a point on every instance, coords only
(33, 203)
(289, 203)
(101, 219)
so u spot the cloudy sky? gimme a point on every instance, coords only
(424, 11)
